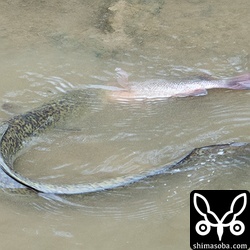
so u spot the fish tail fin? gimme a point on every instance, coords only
(239, 82)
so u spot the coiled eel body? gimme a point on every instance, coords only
(21, 128)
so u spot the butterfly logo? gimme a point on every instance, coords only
(203, 227)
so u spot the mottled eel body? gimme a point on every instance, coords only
(21, 128)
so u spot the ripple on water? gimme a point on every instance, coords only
(165, 195)
(119, 138)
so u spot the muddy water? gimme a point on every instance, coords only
(49, 47)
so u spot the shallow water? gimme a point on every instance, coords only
(47, 48)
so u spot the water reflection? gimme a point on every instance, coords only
(79, 43)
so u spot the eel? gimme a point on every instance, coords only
(16, 132)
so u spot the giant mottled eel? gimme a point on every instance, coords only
(21, 128)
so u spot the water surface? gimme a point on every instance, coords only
(47, 48)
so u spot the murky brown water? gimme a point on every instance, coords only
(49, 46)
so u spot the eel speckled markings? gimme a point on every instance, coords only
(21, 128)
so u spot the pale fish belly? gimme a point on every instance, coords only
(157, 89)
(160, 88)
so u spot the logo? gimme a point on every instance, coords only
(219, 219)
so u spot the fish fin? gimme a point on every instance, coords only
(239, 82)
(197, 92)
(122, 78)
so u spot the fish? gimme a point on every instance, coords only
(160, 88)
(20, 129)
